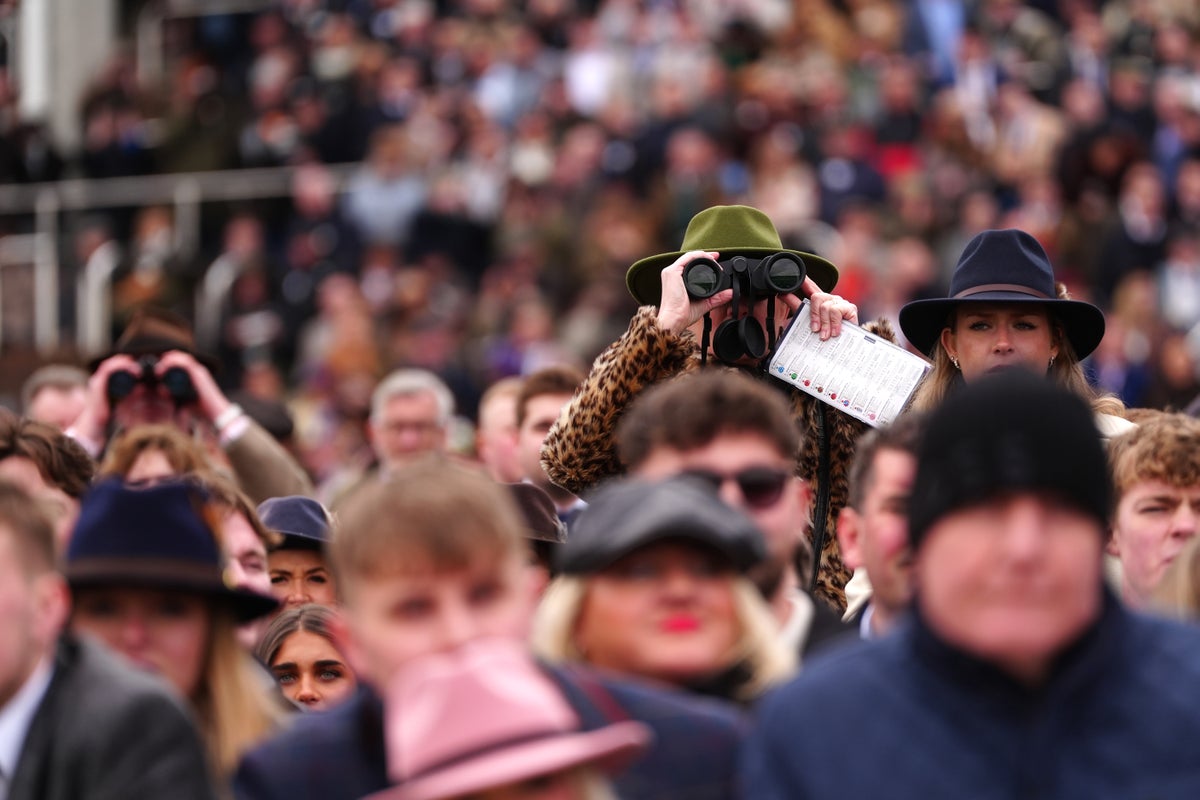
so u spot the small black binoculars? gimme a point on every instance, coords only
(781, 273)
(174, 379)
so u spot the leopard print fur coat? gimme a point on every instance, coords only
(580, 449)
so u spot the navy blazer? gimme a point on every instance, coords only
(339, 754)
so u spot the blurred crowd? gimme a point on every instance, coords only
(508, 161)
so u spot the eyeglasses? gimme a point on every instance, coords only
(761, 487)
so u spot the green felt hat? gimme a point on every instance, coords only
(730, 231)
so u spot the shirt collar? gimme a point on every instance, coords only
(17, 716)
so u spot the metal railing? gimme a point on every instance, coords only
(184, 192)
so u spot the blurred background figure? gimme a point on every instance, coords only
(55, 394)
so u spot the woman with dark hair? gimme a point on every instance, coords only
(299, 649)
(1006, 310)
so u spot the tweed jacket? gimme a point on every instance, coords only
(105, 731)
(580, 449)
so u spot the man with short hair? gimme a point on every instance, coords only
(55, 394)
(872, 528)
(739, 435)
(1017, 673)
(75, 723)
(430, 560)
(543, 396)
(496, 430)
(1156, 472)
(411, 414)
(155, 374)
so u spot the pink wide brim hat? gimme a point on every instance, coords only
(484, 716)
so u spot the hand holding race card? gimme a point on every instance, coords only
(857, 373)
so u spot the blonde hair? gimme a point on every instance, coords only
(1178, 593)
(1066, 371)
(759, 644)
(1164, 447)
(234, 702)
(183, 453)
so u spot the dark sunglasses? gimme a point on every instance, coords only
(761, 487)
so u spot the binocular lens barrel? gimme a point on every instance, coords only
(702, 278)
(784, 275)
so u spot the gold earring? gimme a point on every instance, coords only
(954, 361)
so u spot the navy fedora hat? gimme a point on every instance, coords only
(1003, 266)
(153, 538)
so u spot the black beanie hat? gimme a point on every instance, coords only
(1011, 431)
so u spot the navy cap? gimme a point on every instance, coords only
(303, 521)
(626, 515)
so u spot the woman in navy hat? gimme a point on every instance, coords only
(147, 579)
(1006, 310)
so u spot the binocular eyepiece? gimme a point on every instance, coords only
(174, 379)
(781, 273)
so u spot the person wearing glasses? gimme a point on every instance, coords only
(653, 584)
(738, 435)
(721, 300)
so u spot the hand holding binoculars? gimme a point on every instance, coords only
(175, 380)
(751, 279)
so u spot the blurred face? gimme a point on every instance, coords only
(664, 612)
(775, 499)
(301, 576)
(147, 405)
(57, 405)
(876, 537)
(1013, 580)
(994, 336)
(407, 427)
(311, 672)
(29, 621)
(395, 618)
(245, 554)
(497, 439)
(150, 467)
(541, 412)
(1153, 522)
(163, 632)
(60, 506)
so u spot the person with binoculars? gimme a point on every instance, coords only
(722, 299)
(156, 375)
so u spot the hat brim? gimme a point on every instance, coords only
(922, 321)
(644, 278)
(609, 748)
(157, 349)
(740, 559)
(245, 604)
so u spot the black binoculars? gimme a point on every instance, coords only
(174, 379)
(781, 273)
(751, 279)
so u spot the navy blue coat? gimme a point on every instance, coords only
(909, 717)
(340, 753)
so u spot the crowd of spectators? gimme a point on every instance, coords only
(474, 177)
